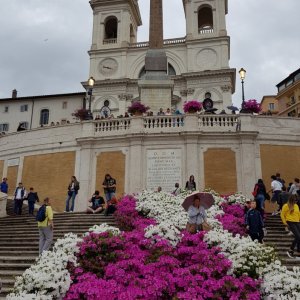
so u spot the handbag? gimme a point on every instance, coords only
(254, 193)
(206, 226)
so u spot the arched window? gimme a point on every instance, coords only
(205, 19)
(44, 117)
(111, 28)
(171, 71)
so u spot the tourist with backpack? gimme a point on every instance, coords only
(19, 196)
(44, 217)
(73, 188)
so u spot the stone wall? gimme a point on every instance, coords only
(49, 174)
(112, 163)
(282, 159)
(220, 170)
(12, 175)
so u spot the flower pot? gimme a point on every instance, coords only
(192, 111)
(137, 114)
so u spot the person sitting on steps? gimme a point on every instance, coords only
(98, 204)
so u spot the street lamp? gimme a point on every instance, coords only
(91, 83)
(242, 73)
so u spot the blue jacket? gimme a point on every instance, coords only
(4, 187)
(254, 221)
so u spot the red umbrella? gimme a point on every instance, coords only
(206, 200)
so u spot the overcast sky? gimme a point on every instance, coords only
(44, 43)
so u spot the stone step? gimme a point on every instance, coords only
(14, 266)
(17, 259)
(4, 292)
(13, 252)
(10, 273)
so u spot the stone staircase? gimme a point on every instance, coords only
(19, 240)
(280, 240)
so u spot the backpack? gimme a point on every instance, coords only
(41, 214)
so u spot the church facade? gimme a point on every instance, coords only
(198, 63)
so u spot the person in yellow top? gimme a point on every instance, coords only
(46, 228)
(290, 216)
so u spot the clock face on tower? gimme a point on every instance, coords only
(108, 66)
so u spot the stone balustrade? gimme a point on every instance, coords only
(175, 41)
(168, 124)
(3, 200)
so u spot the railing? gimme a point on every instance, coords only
(112, 125)
(164, 121)
(168, 124)
(175, 41)
(206, 30)
(218, 121)
(109, 41)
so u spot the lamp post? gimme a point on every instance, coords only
(242, 73)
(91, 83)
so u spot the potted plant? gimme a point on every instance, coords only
(192, 106)
(137, 108)
(251, 106)
(81, 114)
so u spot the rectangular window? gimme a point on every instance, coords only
(6, 109)
(24, 107)
(65, 105)
(271, 106)
(4, 127)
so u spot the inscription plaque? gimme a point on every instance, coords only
(163, 169)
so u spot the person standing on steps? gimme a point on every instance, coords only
(276, 188)
(45, 225)
(20, 194)
(32, 197)
(72, 192)
(4, 186)
(109, 184)
(254, 223)
(290, 216)
(191, 184)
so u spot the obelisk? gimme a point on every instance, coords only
(155, 87)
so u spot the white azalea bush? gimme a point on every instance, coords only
(104, 228)
(48, 278)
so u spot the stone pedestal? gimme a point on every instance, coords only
(156, 93)
(3, 201)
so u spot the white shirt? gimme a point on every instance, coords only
(19, 193)
(276, 185)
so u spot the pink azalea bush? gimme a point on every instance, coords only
(137, 106)
(130, 266)
(233, 218)
(192, 106)
(252, 105)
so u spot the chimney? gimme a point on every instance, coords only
(14, 94)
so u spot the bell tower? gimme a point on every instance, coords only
(205, 18)
(115, 23)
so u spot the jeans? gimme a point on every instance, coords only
(260, 198)
(71, 196)
(295, 229)
(46, 238)
(30, 207)
(18, 203)
(109, 195)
